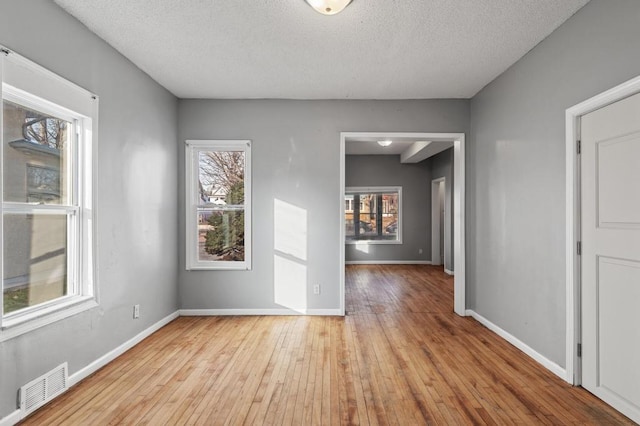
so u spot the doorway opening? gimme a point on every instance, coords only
(421, 147)
(440, 226)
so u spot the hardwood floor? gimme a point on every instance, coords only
(400, 356)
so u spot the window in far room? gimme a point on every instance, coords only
(373, 215)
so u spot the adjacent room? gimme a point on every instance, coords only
(319, 212)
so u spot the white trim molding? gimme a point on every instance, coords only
(459, 226)
(257, 312)
(448, 272)
(541, 359)
(11, 419)
(572, 130)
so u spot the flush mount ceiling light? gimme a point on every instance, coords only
(328, 7)
(384, 143)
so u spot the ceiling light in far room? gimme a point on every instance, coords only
(328, 7)
(384, 143)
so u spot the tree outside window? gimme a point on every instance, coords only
(374, 216)
(219, 181)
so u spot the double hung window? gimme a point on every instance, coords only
(218, 200)
(47, 130)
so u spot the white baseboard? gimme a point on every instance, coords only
(110, 356)
(387, 262)
(73, 379)
(246, 312)
(546, 362)
(446, 271)
(11, 419)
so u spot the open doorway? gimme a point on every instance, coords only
(440, 225)
(418, 146)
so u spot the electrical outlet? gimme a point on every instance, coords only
(419, 251)
(136, 311)
(316, 289)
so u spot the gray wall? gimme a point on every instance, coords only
(441, 165)
(296, 159)
(137, 211)
(516, 169)
(415, 180)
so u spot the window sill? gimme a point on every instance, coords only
(229, 266)
(21, 324)
(369, 242)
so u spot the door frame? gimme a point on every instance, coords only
(573, 117)
(459, 250)
(435, 222)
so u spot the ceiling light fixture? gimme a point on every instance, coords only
(384, 143)
(328, 7)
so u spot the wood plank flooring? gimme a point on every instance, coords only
(400, 356)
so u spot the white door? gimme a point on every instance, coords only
(610, 193)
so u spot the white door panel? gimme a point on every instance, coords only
(618, 287)
(610, 272)
(618, 162)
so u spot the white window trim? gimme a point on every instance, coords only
(378, 189)
(192, 147)
(34, 86)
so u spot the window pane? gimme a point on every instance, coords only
(36, 156)
(390, 215)
(221, 235)
(368, 226)
(350, 229)
(221, 177)
(35, 259)
(376, 219)
(348, 215)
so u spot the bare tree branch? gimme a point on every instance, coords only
(221, 170)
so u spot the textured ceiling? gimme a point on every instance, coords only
(374, 49)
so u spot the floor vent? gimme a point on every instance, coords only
(38, 392)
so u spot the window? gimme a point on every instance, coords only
(348, 203)
(218, 200)
(47, 125)
(372, 215)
